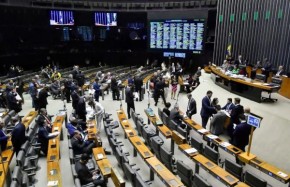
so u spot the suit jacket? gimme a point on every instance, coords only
(175, 116)
(78, 146)
(191, 107)
(237, 110)
(241, 135)
(229, 107)
(43, 137)
(18, 136)
(217, 123)
(12, 102)
(75, 99)
(166, 111)
(3, 140)
(81, 107)
(138, 83)
(84, 173)
(42, 118)
(206, 110)
(42, 98)
(129, 96)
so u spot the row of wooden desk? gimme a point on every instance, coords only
(265, 167)
(53, 154)
(168, 178)
(8, 153)
(199, 159)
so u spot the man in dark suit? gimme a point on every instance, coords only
(115, 89)
(85, 174)
(159, 90)
(13, 103)
(191, 106)
(43, 117)
(81, 109)
(217, 122)
(241, 133)
(68, 87)
(176, 117)
(267, 68)
(75, 97)
(166, 109)
(206, 110)
(42, 98)
(129, 99)
(44, 136)
(138, 86)
(236, 112)
(229, 106)
(3, 137)
(18, 135)
(79, 145)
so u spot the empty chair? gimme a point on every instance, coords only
(160, 114)
(254, 181)
(197, 144)
(167, 159)
(26, 164)
(147, 133)
(114, 144)
(139, 126)
(140, 182)
(182, 131)
(130, 173)
(185, 173)
(275, 82)
(234, 169)
(14, 184)
(172, 125)
(20, 177)
(156, 143)
(25, 146)
(198, 181)
(211, 154)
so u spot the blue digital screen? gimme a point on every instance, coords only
(105, 19)
(180, 55)
(254, 121)
(168, 54)
(61, 17)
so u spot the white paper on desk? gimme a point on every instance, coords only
(91, 91)
(128, 130)
(284, 175)
(100, 156)
(124, 121)
(225, 144)
(211, 136)
(202, 130)
(53, 134)
(55, 128)
(1, 114)
(52, 183)
(266, 84)
(191, 150)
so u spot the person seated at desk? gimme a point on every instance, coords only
(85, 175)
(166, 109)
(81, 145)
(229, 106)
(217, 122)
(267, 68)
(241, 133)
(225, 65)
(176, 117)
(3, 136)
(44, 134)
(236, 69)
(73, 126)
(280, 72)
(257, 66)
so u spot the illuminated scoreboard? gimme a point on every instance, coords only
(177, 34)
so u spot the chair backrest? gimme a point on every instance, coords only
(172, 125)
(160, 114)
(140, 182)
(147, 133)
(166, 157)
(197, 144)
(156, 143)
(254, 181)
(139, 125)
(20, 158)
(261, 77)
(184, 172)
(14, 184)
(198, 181)
(73, 171)
(234, 169)
(129, 173)
(119, 156)
(17, 174)
(11, 113)
(276, 80)
(165, 119)
(182, 131)
(211, 154)
(25, 146)
(6, 120)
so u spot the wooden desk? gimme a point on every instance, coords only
(121, 115)
(184, 147)
(53, 153)
(204, 162)
(139, 146)
(251, 90)
(4, 171)
(53, 172)
(207, 69)
(270, 170)
(99, 153)
(147, 78)
(29, 118)
(165, 131)
(117, 178)
(125, 124)
(8, 153)
(130, 132)
(285, 87)
(162, 172)
(105, 167)
(178, 138)
(241, 184)
(224, 176)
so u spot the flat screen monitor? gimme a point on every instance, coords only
(179, 55)
(177, 34)
(254, 120)
(106, 19)
(61, 17)
(168, 54)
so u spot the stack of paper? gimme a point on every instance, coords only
(225, 144)
(53, 134)
(202, 130)
(190, 151)
(100, 156)
(284, 175)
(52, 183)
(211, 136)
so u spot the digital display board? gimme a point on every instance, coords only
(177, 34)
(61, 17)
(105, 18)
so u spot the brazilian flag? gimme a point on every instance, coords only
(229, 47)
